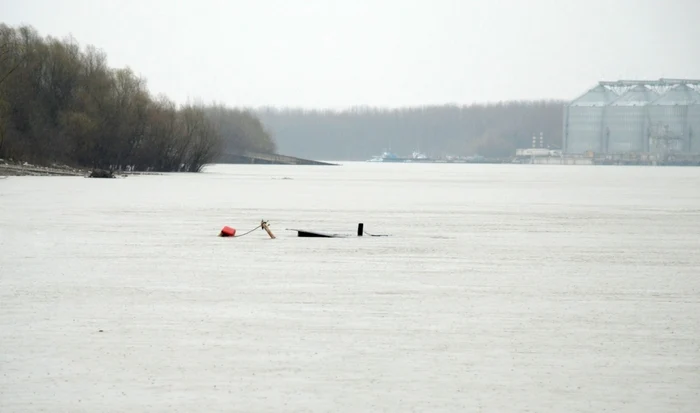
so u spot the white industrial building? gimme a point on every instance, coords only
(645, 117)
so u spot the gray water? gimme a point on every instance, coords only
(501, 288)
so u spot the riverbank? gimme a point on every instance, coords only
(26, 169)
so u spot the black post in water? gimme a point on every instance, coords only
(360, 229)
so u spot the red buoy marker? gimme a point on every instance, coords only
(227, 232)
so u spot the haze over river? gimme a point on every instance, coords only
(501, 288)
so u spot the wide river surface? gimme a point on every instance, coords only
(500, 288)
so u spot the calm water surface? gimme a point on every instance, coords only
(501, 288)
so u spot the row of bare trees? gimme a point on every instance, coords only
(493, 130)
(61, 104)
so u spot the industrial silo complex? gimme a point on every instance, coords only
(643, 120)
(675, 121)
(626, 121)
(585, 117)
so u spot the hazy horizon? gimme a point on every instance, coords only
(340, 54)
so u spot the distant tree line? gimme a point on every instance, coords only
(492, 130)
(61, 104)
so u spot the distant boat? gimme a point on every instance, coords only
(387, 156)
(419, 157)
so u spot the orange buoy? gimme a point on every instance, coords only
(227, 232)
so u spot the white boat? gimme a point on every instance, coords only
(387, 156)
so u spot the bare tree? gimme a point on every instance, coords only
(67, 105)
(203, 143)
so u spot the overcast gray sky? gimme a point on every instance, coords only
(340, 53)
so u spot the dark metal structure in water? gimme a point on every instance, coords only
(316, 234)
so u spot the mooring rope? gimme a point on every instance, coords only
(246, 233)
(374, 235)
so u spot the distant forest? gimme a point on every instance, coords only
(493, 130)
(62, 104)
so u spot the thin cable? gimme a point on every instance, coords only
(244, 234)
(374, 235)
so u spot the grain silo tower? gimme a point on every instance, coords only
(675, 121)
(694, 128)
(627, 124)
(583, 120)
